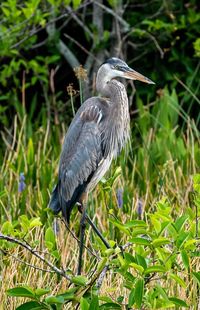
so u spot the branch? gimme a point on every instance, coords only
(25, 263)
(35, 253)
(120, 19)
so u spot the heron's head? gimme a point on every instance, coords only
(115, 67)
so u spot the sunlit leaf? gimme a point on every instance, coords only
(138, 292)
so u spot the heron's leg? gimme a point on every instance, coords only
(82, 233)
(88, 219)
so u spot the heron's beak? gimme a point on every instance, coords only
(134, 75)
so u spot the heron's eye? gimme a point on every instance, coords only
(117, 67)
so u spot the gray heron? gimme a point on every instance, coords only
(97, 134)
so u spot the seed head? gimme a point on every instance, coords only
(80, 73)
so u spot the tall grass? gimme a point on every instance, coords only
(157, 176)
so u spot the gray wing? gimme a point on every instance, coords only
(81, 154)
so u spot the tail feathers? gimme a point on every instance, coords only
(54, 203)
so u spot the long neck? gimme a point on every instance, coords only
(118, 132)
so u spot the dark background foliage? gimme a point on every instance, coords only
(43, 41)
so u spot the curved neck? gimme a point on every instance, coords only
(118, 119)
(110, 88)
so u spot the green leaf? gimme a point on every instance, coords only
(24, 222)
(55, 300)
(141, 261)
(141, 241)
(180, 222)
(110, 305)
(196, 275)
(76, 3)
(137, 267)
(41, 291)
(80, 280)
(131, 298)
(7, 228)
(183, 236)
(35, 222)
(94, 304)
(155, 268)
(50, 240)
(84, 305)
(178, 280)
(178, 302)
(138, 292)
(31, 305)
(30, 152)
(120, 226)
(21, 291)
(160, 242)
(135, 223)
(185, 259)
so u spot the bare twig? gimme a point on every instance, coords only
(110, 11)
(35, 253)
(74, 236)
(25, 263)
(188, 90)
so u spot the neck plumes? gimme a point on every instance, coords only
(118, 119)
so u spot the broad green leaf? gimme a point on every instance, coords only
(185, 259)
(131, 298)
(84, 305)
(120, 226)
(110, 306)
(180, 222)
(155, 268)
(196, 275)
(24, 222)
(178, 280)
(35, 222)
(161, 291)
(55, 300)
(50, 240)
(138, 240)
(138, 231)
(178, 302)
(135, 223)
(94, 303)
(41, 291)
(76, 3)
(31, 305)
(105, 298)
(80, 280)
(160, 242)
(21, 291)
(138, 292)
(183, 236)
(156, 224)
(7, 228)
(141, 261)
(137, 267)
(190, 244)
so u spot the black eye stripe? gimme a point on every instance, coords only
(121, 68)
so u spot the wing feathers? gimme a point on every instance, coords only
(80, 158)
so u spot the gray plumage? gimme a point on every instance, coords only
(98, 132)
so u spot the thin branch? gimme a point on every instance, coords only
(25, 263)
(35, 253)
(81, 46)
(188, 90)
(74, 236)
(110, 11)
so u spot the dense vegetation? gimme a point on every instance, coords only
(148, 205)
